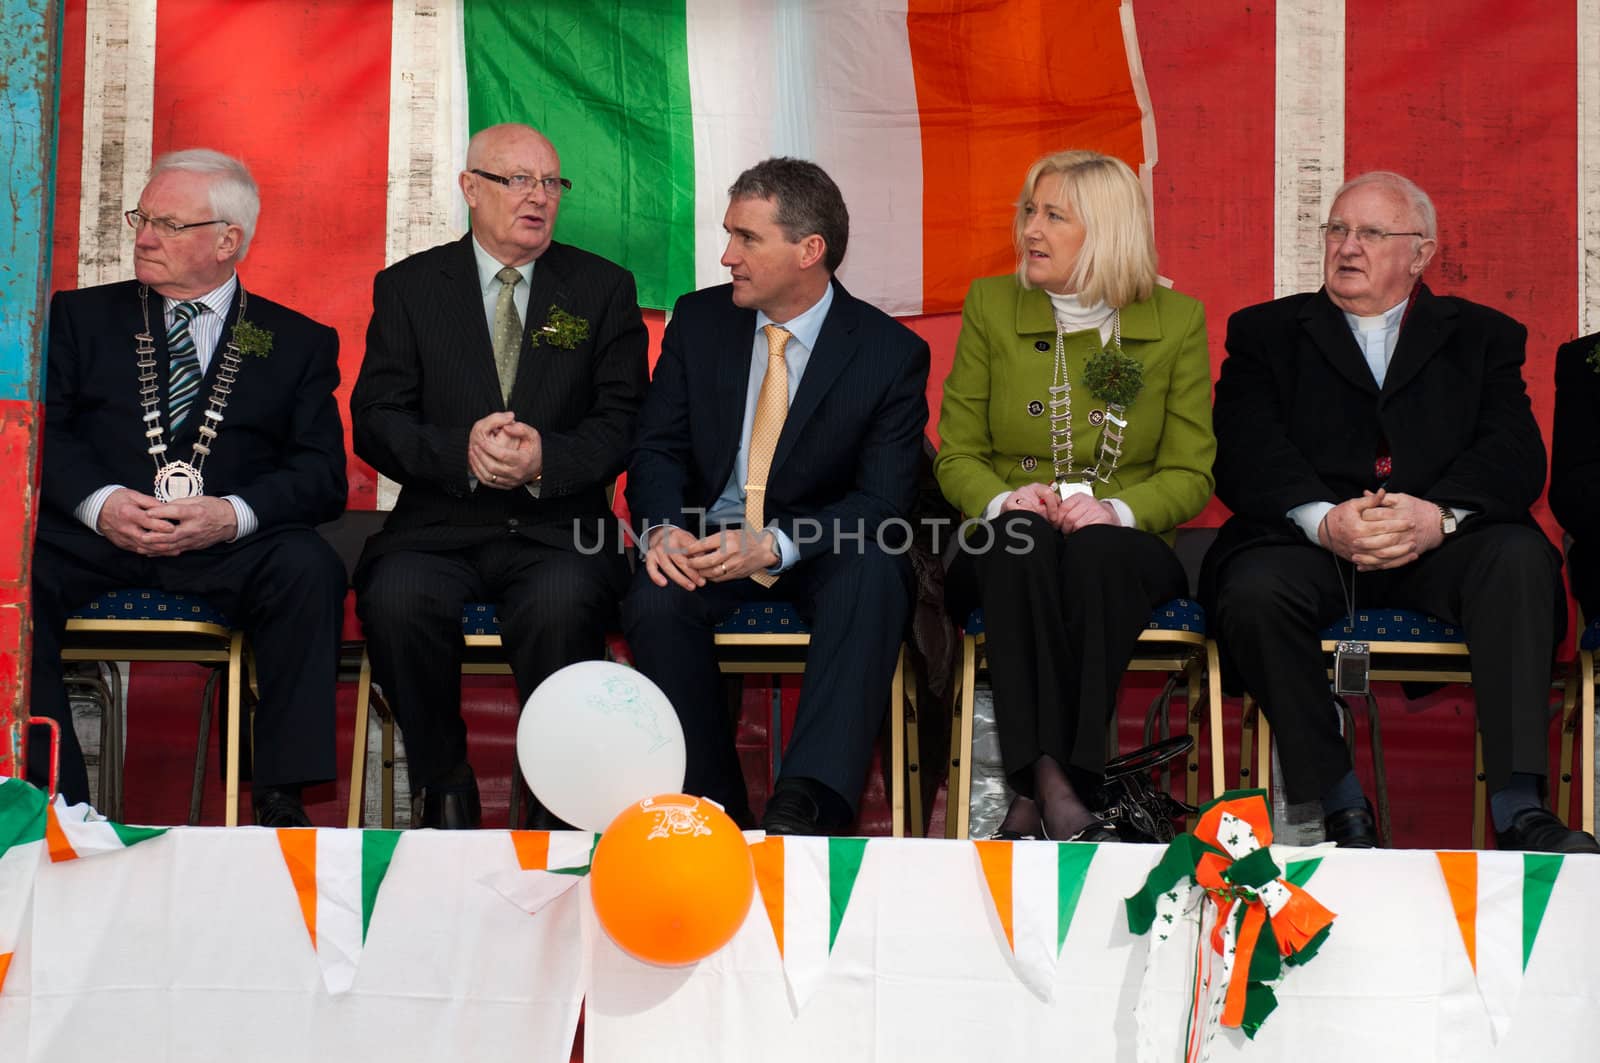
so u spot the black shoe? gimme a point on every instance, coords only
(453, 804)
(1352, 828)
(279, 808)
(792, 811)
(1097, 830)
(1538, 830)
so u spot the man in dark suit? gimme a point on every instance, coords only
(782, 429)
(1575, 466)
(502, 376)
(192, 444)
(1376, 446)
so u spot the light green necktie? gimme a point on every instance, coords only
(507, 331)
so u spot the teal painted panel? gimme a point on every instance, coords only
(29, 51)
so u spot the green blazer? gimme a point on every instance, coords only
(994, 424)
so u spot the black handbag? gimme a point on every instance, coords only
(1133, 804)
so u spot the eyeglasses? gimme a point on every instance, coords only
(1369, 236)
(165, 226)
(522, 183)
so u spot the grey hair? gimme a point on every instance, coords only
(1405, 188)
(233, 192)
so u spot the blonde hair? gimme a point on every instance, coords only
(1117, 263)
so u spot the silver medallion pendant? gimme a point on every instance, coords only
(177, 480)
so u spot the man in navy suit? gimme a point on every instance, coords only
(192, 444)
(781, 431)
(502, 375)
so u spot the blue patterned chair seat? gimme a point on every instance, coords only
(1392, 625)
(751, 618)
(1180, 614)
(144, 604)
(1591, 637)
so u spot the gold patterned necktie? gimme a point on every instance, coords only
(772, 406)
(507, 331)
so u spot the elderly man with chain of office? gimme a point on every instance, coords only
(192, 444)
(1377, 448)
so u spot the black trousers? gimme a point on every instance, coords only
(1583, 569)
(284, 588)
(856, 601)
(1500, 583)
(1061, 614)
(555, 607)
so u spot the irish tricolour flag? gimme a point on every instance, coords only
(1499, 901)
(32, 827)
(805, 885)
(1034, 887)
(926, 112)
(336, 876)
(549, 864)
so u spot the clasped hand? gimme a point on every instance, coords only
(1381, 530)
(145, 525)
(1068, 515)
(732, 554)
(504, 453)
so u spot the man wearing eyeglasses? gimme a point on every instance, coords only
(502, 376)
(1376, 445)
(191, 444)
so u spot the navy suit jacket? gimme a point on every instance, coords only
(429, 375)
(1575, 467)
(851, 443)
(280, 446)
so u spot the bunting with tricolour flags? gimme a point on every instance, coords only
(337, 875)
(549, 863)
(33, 827)
(1499, 901)
(1034, 888)
(806, 885)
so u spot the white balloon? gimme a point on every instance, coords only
(594, 738)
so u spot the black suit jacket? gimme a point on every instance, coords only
(1299, 417)
(1575, 466)
(429, 375)
(280, 446)
(850, 445)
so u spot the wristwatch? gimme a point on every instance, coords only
(1447, 521)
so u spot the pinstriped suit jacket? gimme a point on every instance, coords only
(429, 375)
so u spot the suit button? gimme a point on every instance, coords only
(512, 523)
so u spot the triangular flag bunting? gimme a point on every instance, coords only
(551, 862)
(30, 826)
(806, 885)
(1034, 887)
(336, 876)
(1499, 901)
(22, 829)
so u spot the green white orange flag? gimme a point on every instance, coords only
(1499, 901)
(336, 876)
(31, 827)
(1034, 887)
(805, 886)
(550, 863)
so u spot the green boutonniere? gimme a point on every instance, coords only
(1594, 358)
(561, 329)
(252, 339)
(1114, 377)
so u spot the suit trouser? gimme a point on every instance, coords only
(1061, 614)
(1500, 583)
(555, 606)
(856, 602)
(1583, 569)
(284, 588)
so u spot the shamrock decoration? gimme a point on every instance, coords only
(251, 339)
(1114, 377)
(561, 329)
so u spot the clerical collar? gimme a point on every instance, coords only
(1389, 319)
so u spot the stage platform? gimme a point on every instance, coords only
(194, 946)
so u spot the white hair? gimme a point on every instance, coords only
(233, 193)
(1406, 189)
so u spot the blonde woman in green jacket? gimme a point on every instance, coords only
(1076, 425)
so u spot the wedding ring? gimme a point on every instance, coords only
(722, 569)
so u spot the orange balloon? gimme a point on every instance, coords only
(672, 879)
